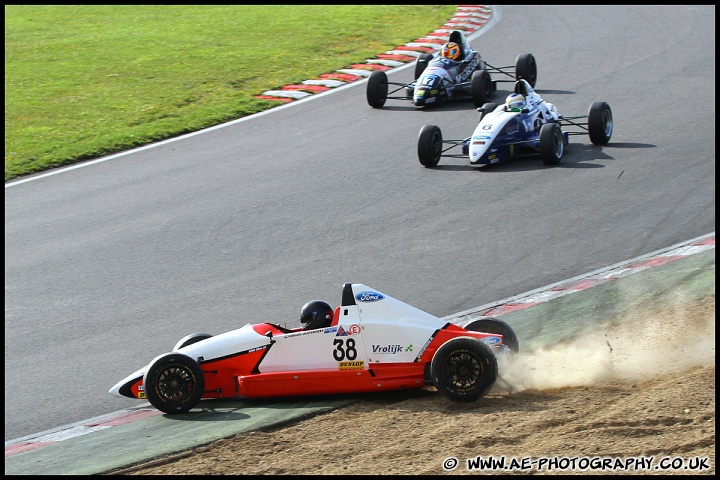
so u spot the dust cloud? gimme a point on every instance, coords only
(645, 345)
(573, 405)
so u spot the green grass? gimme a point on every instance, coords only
(87, 81)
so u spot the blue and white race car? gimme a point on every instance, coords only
(455, 72)
(525, 125)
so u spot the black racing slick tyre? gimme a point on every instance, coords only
(429, 145)
(600, 123)
(497, 326)
(464, 369)
(189, 340)
(486, 108)
(526, 67)
(421, 64)
(377, 89)
(481, 87)
(551, 144)
(174, 383)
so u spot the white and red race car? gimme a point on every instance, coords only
(372, 342)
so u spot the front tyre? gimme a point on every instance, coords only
(600, 123)
(421, 64)
(190, 339)
(429, 145)
(485, 109)
(464, 369)
(174, 383)
(481, 87)
(551, 144)
(526, 67)
(377, 89)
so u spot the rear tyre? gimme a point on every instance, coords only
(377, 89)
(421, 64)
(551, 144)
(174, 383)
(497, 326)
(481, 87)
(464, 369)
(600, 123)
(526, 67)
(429, 145)
(190, 339)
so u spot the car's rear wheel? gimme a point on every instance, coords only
(481, 87)
(421, 64)
(174, 383)
(190, 339)
(551, 144)
(377, 89)
(429, 145)
(526, 67)
(464, 369)
(600, 123)
(497, 326)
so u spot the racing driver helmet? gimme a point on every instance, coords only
(316, 314)
(451, 50)
(514, 102)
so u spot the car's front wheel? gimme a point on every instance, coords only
(190, 339)
(551, 144)
(421, 64)
(377, 89)
(174, 383)
(464, 369)
(429, 145)
(485, 109)
(600, 123)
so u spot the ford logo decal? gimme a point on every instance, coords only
(369, 296)
(491, 340)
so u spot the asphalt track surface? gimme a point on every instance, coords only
(540, 318)
(109, 265)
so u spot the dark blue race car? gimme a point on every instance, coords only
(525, 125)
(455, 72)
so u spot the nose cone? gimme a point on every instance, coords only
(115, 390)
(478, 147)
(420, 96)
(128, 386)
